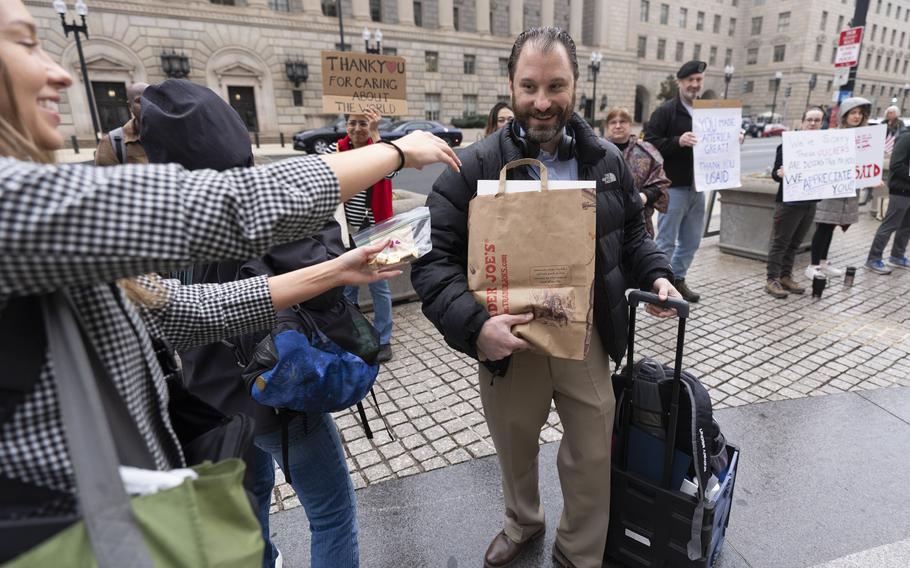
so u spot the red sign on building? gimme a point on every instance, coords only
(848, 47)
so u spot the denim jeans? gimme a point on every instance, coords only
(382, 307)
(679, 230)
(321, 480)
(897, 220)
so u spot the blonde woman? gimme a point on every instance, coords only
(81, 229)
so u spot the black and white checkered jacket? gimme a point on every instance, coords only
(82, 227)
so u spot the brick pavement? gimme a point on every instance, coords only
(745, 346)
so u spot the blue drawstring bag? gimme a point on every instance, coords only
(297, 367)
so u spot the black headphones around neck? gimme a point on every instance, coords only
(531, 149)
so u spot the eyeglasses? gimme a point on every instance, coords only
(813, 120)
(360, 123)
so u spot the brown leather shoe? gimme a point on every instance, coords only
(503, 550)
(560, 558)
(791, 285)
(687, 293)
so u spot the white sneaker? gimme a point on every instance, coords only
(811, 271)
(829, 270)
(279, 560)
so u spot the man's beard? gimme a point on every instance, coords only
(541, 134)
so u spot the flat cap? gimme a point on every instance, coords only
(691, 68)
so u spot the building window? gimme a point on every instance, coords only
(469, 102)
(878, 62)
(712, 56)
(280, 5)
(752, 56)
(223, 2)
(830, 84)
(696, 51)
(664, 14)
(683, 17)
(716, 28)
(456, 18)
(783, 22)
(748, 86)
(887, 64)
(840, 23)
(862, 90)
(470, 61)
(906, 61)
(868, 59)
(680, 48)
(376, 10)
(504, 66)
(329, 8)
(888, 11)
(432, 59)
(772, 83)
(824, 21)
(732, 31)
(728, 56)
(893, 36)
(818, 52)
(700, 22)
(432, 106)
(642, 46)
(390, 51)
(297, 95)
(779, 53)
(644, 10)
(418, 18)
(903, 35)
(756, 25)
(874, 31)
(661, 49)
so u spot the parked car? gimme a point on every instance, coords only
(396, 130)
(770, 130)
(318, 140)
(753, 129)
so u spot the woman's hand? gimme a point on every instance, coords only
(353, 267)
(422, 148)
(373, 118)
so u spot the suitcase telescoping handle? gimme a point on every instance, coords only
(636, 297)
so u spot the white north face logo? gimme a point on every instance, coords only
(609, 178)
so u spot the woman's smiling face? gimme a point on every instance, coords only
(34, 80)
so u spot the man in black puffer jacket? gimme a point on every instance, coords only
(517, 387)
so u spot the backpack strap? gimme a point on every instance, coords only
(118, 144)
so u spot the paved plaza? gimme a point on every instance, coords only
(744, 345)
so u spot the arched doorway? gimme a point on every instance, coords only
(642, 104)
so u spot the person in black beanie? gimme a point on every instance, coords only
(191, 125)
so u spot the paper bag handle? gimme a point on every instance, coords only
(523, 162)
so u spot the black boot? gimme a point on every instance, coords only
(687, 293)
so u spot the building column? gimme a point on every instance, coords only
(516, 17)
(482, 13)
(406, 12)
(606, 33)
(312, 7)
(361, 9)
(446, 16)
(575, 16)
(547, 11)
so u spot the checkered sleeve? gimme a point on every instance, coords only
(77, 225)
(198, 314)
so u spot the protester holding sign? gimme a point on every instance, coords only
(843, 211)
(791, 223)
(898, 216)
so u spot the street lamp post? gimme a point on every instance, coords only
(77, 29)
(596, 58)
(377, 35)
(340, 22)
(728, 76)
(813, 80)
(904, 100)
(777, 77)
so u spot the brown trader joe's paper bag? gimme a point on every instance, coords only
(533, 251)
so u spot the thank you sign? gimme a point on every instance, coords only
(819, 164)
(353, 81)
(717, 125)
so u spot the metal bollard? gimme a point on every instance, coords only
(256, 136)
(75, 143)
(281, 137)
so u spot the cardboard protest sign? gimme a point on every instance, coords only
(353, 81)
(870, 154)
(531, 249)
(717, 124)
(819, 164)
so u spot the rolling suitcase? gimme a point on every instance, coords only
(652, 523)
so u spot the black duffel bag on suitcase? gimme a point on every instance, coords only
(653, 524)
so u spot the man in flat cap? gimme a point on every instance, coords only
(679, 230)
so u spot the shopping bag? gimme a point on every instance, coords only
(533, 251)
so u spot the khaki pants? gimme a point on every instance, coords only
(516, 408)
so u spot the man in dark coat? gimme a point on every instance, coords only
(679, 230)
(518, 386)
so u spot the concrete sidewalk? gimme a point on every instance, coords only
(822, 483)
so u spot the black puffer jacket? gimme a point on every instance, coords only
(899, 182)
(626, 256)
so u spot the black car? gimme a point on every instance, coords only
(318, 140)
(404, 127)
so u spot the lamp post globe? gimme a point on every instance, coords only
(728, 76)
(596, 58)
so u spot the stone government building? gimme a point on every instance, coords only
(457, 51)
